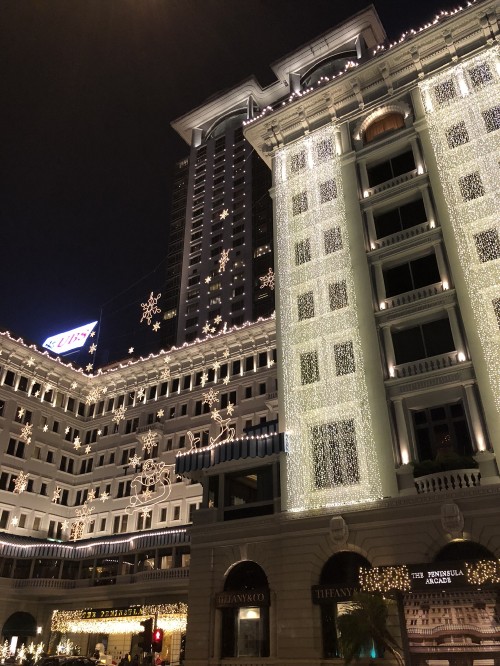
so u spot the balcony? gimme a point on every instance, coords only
(393, 182)
(425, 365)
(402, 235)
(414, 295)
(449, 480)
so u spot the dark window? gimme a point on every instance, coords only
(305, 303)
(487, 245)
(298, 162)
(324, 150)
(236, 367)
(327, 191)
(335, 455)
(413, 275)
(248, 363)
(480, 75)
(471, 186)
(302, 252)
(397, 219)
(396, 166)
(337, 292)
(442, 431)
(491, 119)
(299, 203)
(426, 340)
(248, 389)
(444, 92)
(344, 358)
(332, 239)
(309, 368)
(457, 135)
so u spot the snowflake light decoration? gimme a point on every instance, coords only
(89, 367)
(20, 412)
(14, 521)
(217, 319)
(26, 433)
(155, 478)
(224, 214)
(149, 440)
(88, 449)
(83, 518)
(206, 328)
(73, 385)
(77, 443)
(30, 362)
(92, 348)
(224, 258)
(21, 483)
(94, 395)
(150, 308)
(225, 353)
(267, 280)
(210, 397)
(134, 461)
(119, 414)
(156, 326)
(165, 373)
(160, 413)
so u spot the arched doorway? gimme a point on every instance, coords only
(341, 573)
(245, 612)
(463, 550)
(19, 629)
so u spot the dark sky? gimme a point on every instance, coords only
(89, 88)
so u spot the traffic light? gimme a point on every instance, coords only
(157, 640)
(146, 635)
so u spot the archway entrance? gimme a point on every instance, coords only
(19, 629)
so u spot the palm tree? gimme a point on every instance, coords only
(363, 625)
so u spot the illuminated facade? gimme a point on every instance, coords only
(356, 431)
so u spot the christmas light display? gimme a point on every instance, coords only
(150, 486)
(150, 308)
(119, 414)
(385, 579)
(267, 280)
(482, 572)
(149, 440)
(331, 455)
(21, 483)
(26, 433)
(463, 115)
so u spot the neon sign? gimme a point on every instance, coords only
(69, 340)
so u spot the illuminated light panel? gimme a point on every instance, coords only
(385, 579)
(331, 454)
(69, 340)
(462, 111)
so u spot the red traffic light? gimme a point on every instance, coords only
(157, 640)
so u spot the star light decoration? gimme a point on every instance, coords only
(223, 260)
(92, 348)
(45, 428)
(208, 279)
(89, 367)
(14, 521)
(26, 433)
(322, 407)
(119, 414)
(267, 280)
(21, 483)
(149, 440)
(160, 413)
(461, 108)
(226, 431)
(156, 326)
(21, 412)
(224, 214)
(77, 443)
(150, 308)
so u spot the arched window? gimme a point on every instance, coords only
(463, 550)
(341, 574)
(21, 626)
(245, 615)
(388, 123)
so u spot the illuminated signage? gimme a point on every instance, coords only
(244, 598)
(427, 576)
(74, 339)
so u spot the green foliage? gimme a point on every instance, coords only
(444, 464)
(363, 625)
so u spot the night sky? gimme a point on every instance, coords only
(89, 88)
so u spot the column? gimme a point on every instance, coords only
(403, 440)
(429, 208)
(456, 332)
(379, 284)
(417, 155)
(389, 350)
(363, 176)
(475, 419)
(442, 267)
(370, 226)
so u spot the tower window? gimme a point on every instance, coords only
(305, 303)
(309, 368)
(302, 252)
(299, 203)
(471, 186)
(487, 245)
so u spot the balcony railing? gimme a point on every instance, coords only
(403, 235)
(393, 182)
(449, 480)
(424, 365)
(414, 295)
(48, 583)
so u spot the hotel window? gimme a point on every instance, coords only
(299, 203)
(15, 448)
(491, 119)
(426, 340)
(442, 430)
(480, 75)
(305, 305)
(332, 239)
(389, 169)
(302, 252)
(397, 219)
(471, 186)
(457, 135)
(327, 191)
(324, 150)
(411, 275)
(337, 292)
(487, 245)
(445, 92)
(344, 358)
(335, 456)
(298, 162)
(309, 368)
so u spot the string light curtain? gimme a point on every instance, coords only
(331, 454)
(462, 107)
